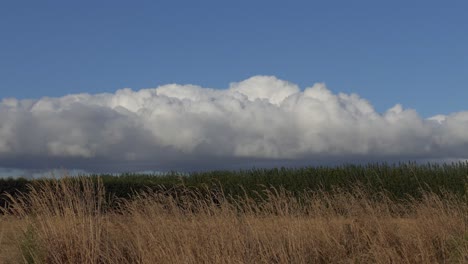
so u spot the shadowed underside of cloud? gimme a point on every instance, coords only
(260, 121)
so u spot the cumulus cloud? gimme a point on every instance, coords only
(261, 120)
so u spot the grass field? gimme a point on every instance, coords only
(76, 221)
(398, 180)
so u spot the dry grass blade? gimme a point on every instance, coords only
(70, 221)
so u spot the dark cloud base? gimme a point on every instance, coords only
(258, 122)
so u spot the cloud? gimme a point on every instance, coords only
(255, 122)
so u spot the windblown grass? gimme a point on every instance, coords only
(73, 221)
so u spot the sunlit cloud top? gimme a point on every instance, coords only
(261, 119)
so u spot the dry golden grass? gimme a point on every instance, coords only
(10, 233)
(67, 221)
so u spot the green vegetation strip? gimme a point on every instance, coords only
(397, 180)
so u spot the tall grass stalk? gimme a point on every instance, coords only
(72, 221)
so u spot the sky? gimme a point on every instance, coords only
(103, 84)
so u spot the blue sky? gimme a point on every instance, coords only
(409, 52)
(64, 64)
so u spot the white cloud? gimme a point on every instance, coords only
(258, 119)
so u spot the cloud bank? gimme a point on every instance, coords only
(261, 120)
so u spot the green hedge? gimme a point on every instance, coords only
(399, 180)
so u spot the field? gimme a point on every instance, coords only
(404, 213)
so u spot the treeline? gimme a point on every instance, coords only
(397, 180)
